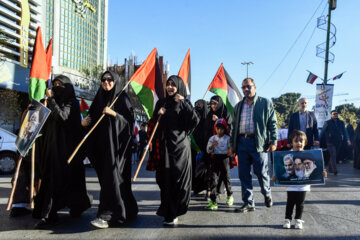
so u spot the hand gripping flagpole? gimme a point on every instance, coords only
(92, 129)
(146, 148)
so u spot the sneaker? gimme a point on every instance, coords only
(244, 209)
(287, 224)
(299, 224)
(212, 206)
(99, 223)
(171, 222)
(230, 200)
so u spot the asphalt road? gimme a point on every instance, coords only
(332, 211)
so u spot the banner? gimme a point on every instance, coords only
(323, 103)
(31, 126)
(299, 168)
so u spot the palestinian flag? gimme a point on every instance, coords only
(84, 108)
(147, 83)
(39, 71)
(185, 73)
(223, 86)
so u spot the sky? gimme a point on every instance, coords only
(278, 36)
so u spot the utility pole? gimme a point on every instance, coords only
(247, 67)
(332, 6)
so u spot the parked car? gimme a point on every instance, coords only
(8, 152)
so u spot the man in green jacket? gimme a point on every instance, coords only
(254, 134)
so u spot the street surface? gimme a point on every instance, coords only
(332, 211)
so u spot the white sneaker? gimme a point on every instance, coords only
(299, 224)
(171, 223)
(287, 224)
(99, 223)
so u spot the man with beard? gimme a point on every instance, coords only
(299, 168)
(289, 167)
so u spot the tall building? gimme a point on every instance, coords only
(79, 32)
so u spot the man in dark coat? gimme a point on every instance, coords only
(306, 122)
(351, 133)
(334, 133)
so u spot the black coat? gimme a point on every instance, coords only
(312, 132)
(62, 185)
(109, 150)
(174, 173)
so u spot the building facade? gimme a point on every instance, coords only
(79, 32)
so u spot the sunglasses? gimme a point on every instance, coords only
(247, 86)
(109, 79)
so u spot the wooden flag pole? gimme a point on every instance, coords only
(15, 178)
(32, 183)
(146, 148)
(205, 93)
(92, 129)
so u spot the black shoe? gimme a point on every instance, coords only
(244, 209)
(46, 223)
(19, 211)
(268, 202)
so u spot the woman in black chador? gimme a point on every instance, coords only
(62, 185)
(109, 150)
(173, 173)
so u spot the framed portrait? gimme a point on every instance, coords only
(32, 124)
(299, 168)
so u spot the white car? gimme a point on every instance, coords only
(8, 151)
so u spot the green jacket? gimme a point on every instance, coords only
(264, 124)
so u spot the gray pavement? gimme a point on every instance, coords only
(332, 211)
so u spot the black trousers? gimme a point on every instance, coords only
(295, 198)
(220, 168)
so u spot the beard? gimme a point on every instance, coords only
(299, 173)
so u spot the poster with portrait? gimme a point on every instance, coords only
(299, 168)
(31, 126)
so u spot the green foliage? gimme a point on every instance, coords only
(350, 108)
(93, 74)
(344, 114)
(11, 106)
(285, 105)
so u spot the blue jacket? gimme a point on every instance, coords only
(312, 132)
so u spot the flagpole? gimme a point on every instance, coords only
(205, 93)
(32, 176)
(96, 124)
(15, 178)
(146, 149)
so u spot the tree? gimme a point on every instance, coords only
(285, 105)
(350, 108)
(93, 74)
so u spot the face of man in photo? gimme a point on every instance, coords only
(289, 166)
(298, 164)
(308, 164)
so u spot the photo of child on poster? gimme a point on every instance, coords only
(31, 126)
(298, 168)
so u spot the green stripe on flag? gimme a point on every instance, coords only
(145, 96)
(194, 144)
(223, 94)
(37, 87)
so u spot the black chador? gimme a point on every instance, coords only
(173, 173)
(62, 185)
(109, 150)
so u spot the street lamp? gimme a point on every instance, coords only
(247, 67)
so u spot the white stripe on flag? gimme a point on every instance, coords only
(311, 78)
(232, 96)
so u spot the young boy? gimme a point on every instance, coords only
(218, 147)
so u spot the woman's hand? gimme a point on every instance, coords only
(109, 111)
(49, 92)
(86, 121)
(162, 111)
(214, 117)
(178, 98)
